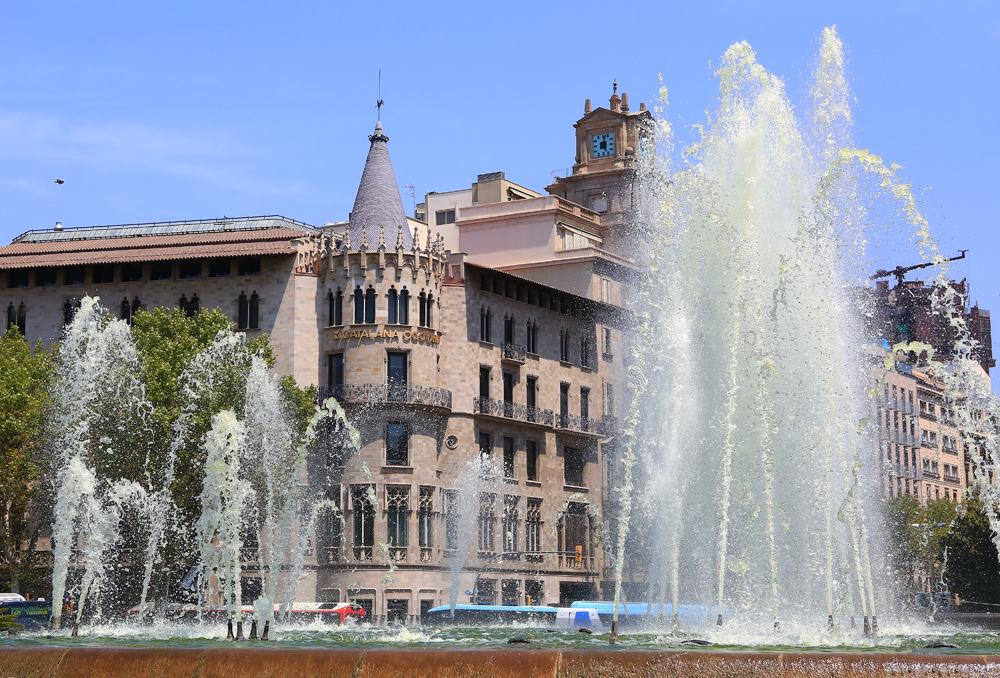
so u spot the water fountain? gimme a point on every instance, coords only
(748, 476)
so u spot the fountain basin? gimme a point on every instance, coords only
(59, 662)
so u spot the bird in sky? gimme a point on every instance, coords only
(60, 181)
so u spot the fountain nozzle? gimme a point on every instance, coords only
(868, 626)
(676, 622)
(239, 630)
(253, 630)
(718, 622)
(614, 632)
(76, 629)
(874, 624)
(267, 625)
(829, 623)
(777, 626)
(229, 634)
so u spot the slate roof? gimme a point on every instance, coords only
(206, 239)
(378, 203)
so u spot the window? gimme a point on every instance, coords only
(69, 310)
(564, 346)
(534, 592)
(335, 370)
(249, 266)
(443, 217)
(532, 337)
(18, 278)
(508, 391)
(128, 310)
(487, 520)
(609, 352)
(396, 377)
(605, 290)
(162, 270)
(189, 270)
(335, 316)
(484, 381)
(609, 399)
(508, 329)
(393, 306)
(573, 466)
(510, 522)
(219, 268)
(254, 321)
(585, 351)
(510, 591)
(75, 276)
(363, 505)
(46, 277)
(190, 307)
(564, 400)
(131, 273)
(104, 275)
(370, 305)
(425, 517)
(404, 307)
(451, 518)
(359, 306)
(485, 445)
(18, 317)
(397, 500)
(485, 325)
(243, 316)
(575, 530)
(426, 304)
(584, 403)
(397, 444)
(332, 527)
(531, 458)
(508, 457)
(533, 526)
(530, 395)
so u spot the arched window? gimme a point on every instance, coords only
(22, 319)
(430, 311)
(485, 320)
(12, 316)
(69, 310)
(244, 312)
(189, 307)
(532, 337)
(370, 305)
(336, 308)
(126, 312)
(254, 311)
(393, 306)
(508, 329)
(135, 306)
(422, 304)
(359, 306)
(404, 307)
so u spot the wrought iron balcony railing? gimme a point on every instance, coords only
(502, 408)
(514, 352)
(602, 427)
(387, 393)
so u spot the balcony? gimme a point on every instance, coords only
(397, 554)
(502, 408)
(429, 396)
(363, 554)
(513, 352)
(602, 427)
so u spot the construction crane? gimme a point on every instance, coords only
(901, 271)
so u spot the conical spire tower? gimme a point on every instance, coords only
(378, 203)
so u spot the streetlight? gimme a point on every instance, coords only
(930, 560)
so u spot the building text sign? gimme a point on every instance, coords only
(387, 334)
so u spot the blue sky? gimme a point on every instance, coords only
(160, 111)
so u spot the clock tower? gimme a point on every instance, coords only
(609, 144)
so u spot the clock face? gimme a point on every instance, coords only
(604, 145)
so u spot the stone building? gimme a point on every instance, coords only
(484, 391)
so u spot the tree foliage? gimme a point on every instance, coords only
(24, 378)
(908, 547)
(973, 570)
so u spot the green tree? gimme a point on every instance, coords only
(973, 565)
(908, 545)
(24, 377)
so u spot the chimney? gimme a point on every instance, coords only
(624, 102)
(586, 107)
(58, 226)
(642, 106)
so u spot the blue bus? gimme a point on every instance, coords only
(635, 613)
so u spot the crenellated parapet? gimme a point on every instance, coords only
(417, 265)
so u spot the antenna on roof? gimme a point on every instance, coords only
(378, 103)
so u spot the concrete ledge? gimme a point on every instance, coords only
(251, 662)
